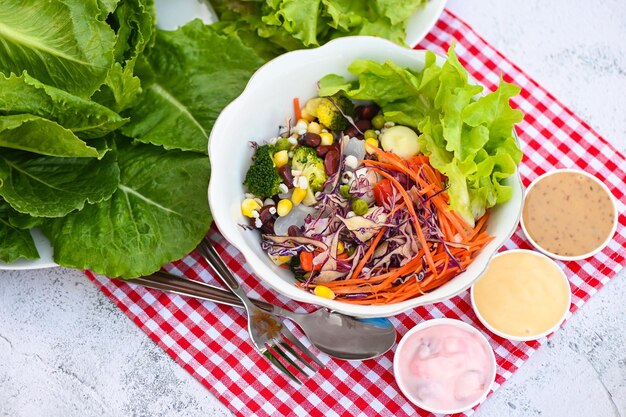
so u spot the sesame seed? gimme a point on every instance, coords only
(389, 124)
(258, 223)
(272, 210)
(283, 188)
(351, 161)
(255, 214)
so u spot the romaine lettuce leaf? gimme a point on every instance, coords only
(135, 30)
(45, 186)
(24, 94)
(14, 242)
(190, 75)
(150, 220)
(36, 134)
(468, 138)
(60, 43)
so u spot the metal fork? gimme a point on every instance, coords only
(267, 331)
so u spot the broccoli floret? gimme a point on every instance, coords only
(262, 178)
(328, 114)
(305, 159)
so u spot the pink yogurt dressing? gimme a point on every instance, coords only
(445, 367)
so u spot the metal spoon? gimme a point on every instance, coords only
(337, 335)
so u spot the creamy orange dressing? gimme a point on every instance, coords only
(568, 214)
(521, 294)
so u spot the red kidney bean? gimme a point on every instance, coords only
(331, 162)
(363, 125)
(367, 112)
(312, 139)
(268, 227)
(285, 174)
(352, 132)
(294, 231)
(265, 215)
(323, 149)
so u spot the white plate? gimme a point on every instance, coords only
(171, 15)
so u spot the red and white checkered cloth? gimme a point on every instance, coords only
(212, 342)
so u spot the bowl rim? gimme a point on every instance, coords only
(300, 295)
(436, 322)
(552, 329)
(586, 255)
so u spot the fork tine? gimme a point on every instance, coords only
(286, 357)
(274, 361)
(297, 355)
(287, 333)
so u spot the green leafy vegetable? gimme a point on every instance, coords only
(45, 186)
(133, 22)
(58, 42)
(276, 26)
(86, 119)
(16, 243)
(213, 68)
(36, 134)
(468, 138)
(158, 213)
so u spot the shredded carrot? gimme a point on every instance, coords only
(369, 252)
(434, 264)
(296, 108)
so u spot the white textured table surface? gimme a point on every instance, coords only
(66, 350)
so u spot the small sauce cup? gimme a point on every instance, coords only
(556, 255)
(520, 338)
(402, 360)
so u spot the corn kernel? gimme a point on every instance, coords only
(327, 138)
(283, 207)
(324, 292)
(340, 248)
(249, 206)
(370, 145)
(279, 260)
(314, 127)
(298, 195)
(281, 158)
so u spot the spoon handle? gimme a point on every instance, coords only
(183, 286)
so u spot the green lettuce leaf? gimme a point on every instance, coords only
(300, 18)
(398, 11)
(134, 22)
(149, 221)
(35, 134)
(297, 24)
(24, 94)
(468, 138)
(45, 186)
(60, 43)
(189, 77)
(15, 243)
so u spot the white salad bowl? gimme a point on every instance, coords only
(256, 115)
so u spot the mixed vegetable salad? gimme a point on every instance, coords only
(370, 202)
